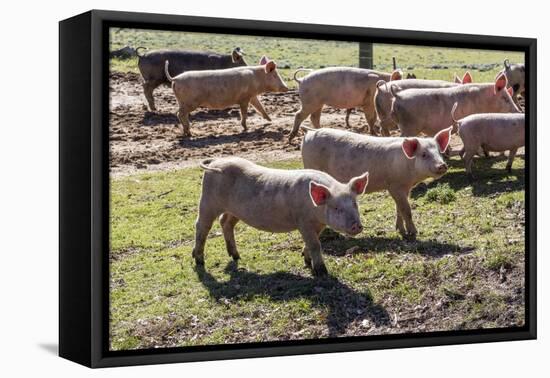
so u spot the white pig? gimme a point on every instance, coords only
(429, 110)
(219, 89)
(383, 98)
(339, 87)
(276, 200)
(497, 132)
(394, 164)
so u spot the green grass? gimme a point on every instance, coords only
(291, 54)
(448, 279)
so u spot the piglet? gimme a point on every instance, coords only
(497, 132)
(276, 200)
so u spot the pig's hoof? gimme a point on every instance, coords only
(307, 263)
(236, 257)
(409, 237)
(509, 169)
(320, 271)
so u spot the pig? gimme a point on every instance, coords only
(276, 200)
(395, 164)
(496, 132)
(515, 73)
(219, 89)
(383, 98)
(151, 66)
(428, 110)
(340, 87)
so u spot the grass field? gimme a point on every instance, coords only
(465, 271)
(291, 54)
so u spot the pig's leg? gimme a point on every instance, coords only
(348, 112)
(370, 115)
(307, 257)
(311, 238)
(401, 198)
(468, 156)
(183, 116)
(300, 116)
(228, 223)
(259, 107)
(511, 156)
(148, 88)
(202, 227)
(316, 118)
(244, 113)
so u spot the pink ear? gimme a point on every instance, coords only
(270, 66)
(359, 184)
(467, 78)
(511, 91)
(319, 193)
(443, 138)
(409, 147)
(500, 83)
(396, 75)
(263, 60)
(457, 80)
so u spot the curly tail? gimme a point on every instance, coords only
(205, 165)
(456, 123)
(170, 78)
(137, 51)
(299, 81)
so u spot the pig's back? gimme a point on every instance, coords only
(266, 198)
(495, 131)
(344, 155)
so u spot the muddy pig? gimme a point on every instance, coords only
(276, 200)
(429, 110)
(339, 87)
(219, 89)
(496, 132)
(151, 65)
(383, 98)
(515, 73)
(394, 164)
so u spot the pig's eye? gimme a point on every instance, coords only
(424, 155)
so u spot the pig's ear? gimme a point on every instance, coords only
(396, 75)
(319, 193)
(263, 60)
(457, 80)
(359, 184)
(270, 66)
(467, 78)
(443, 138)
(500, 83)
(409, 147)
(511, 91)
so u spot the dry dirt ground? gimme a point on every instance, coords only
(145, 141)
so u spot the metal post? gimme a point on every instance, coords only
(365, 55)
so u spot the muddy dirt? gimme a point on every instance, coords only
(146, 141)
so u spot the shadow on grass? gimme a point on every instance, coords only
(343, 304)
(487, 179)
(335, 244)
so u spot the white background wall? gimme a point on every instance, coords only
(29, 189)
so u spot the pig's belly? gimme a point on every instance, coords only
(343, 100)
(265, 222)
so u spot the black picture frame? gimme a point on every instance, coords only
(84, 187)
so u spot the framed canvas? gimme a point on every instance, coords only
(236, 188)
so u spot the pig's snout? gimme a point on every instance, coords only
(356, 228)
(442, 168)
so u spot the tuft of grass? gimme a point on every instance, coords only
(442, 194)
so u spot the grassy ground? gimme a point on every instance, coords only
(291, 54)
(465, 271)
